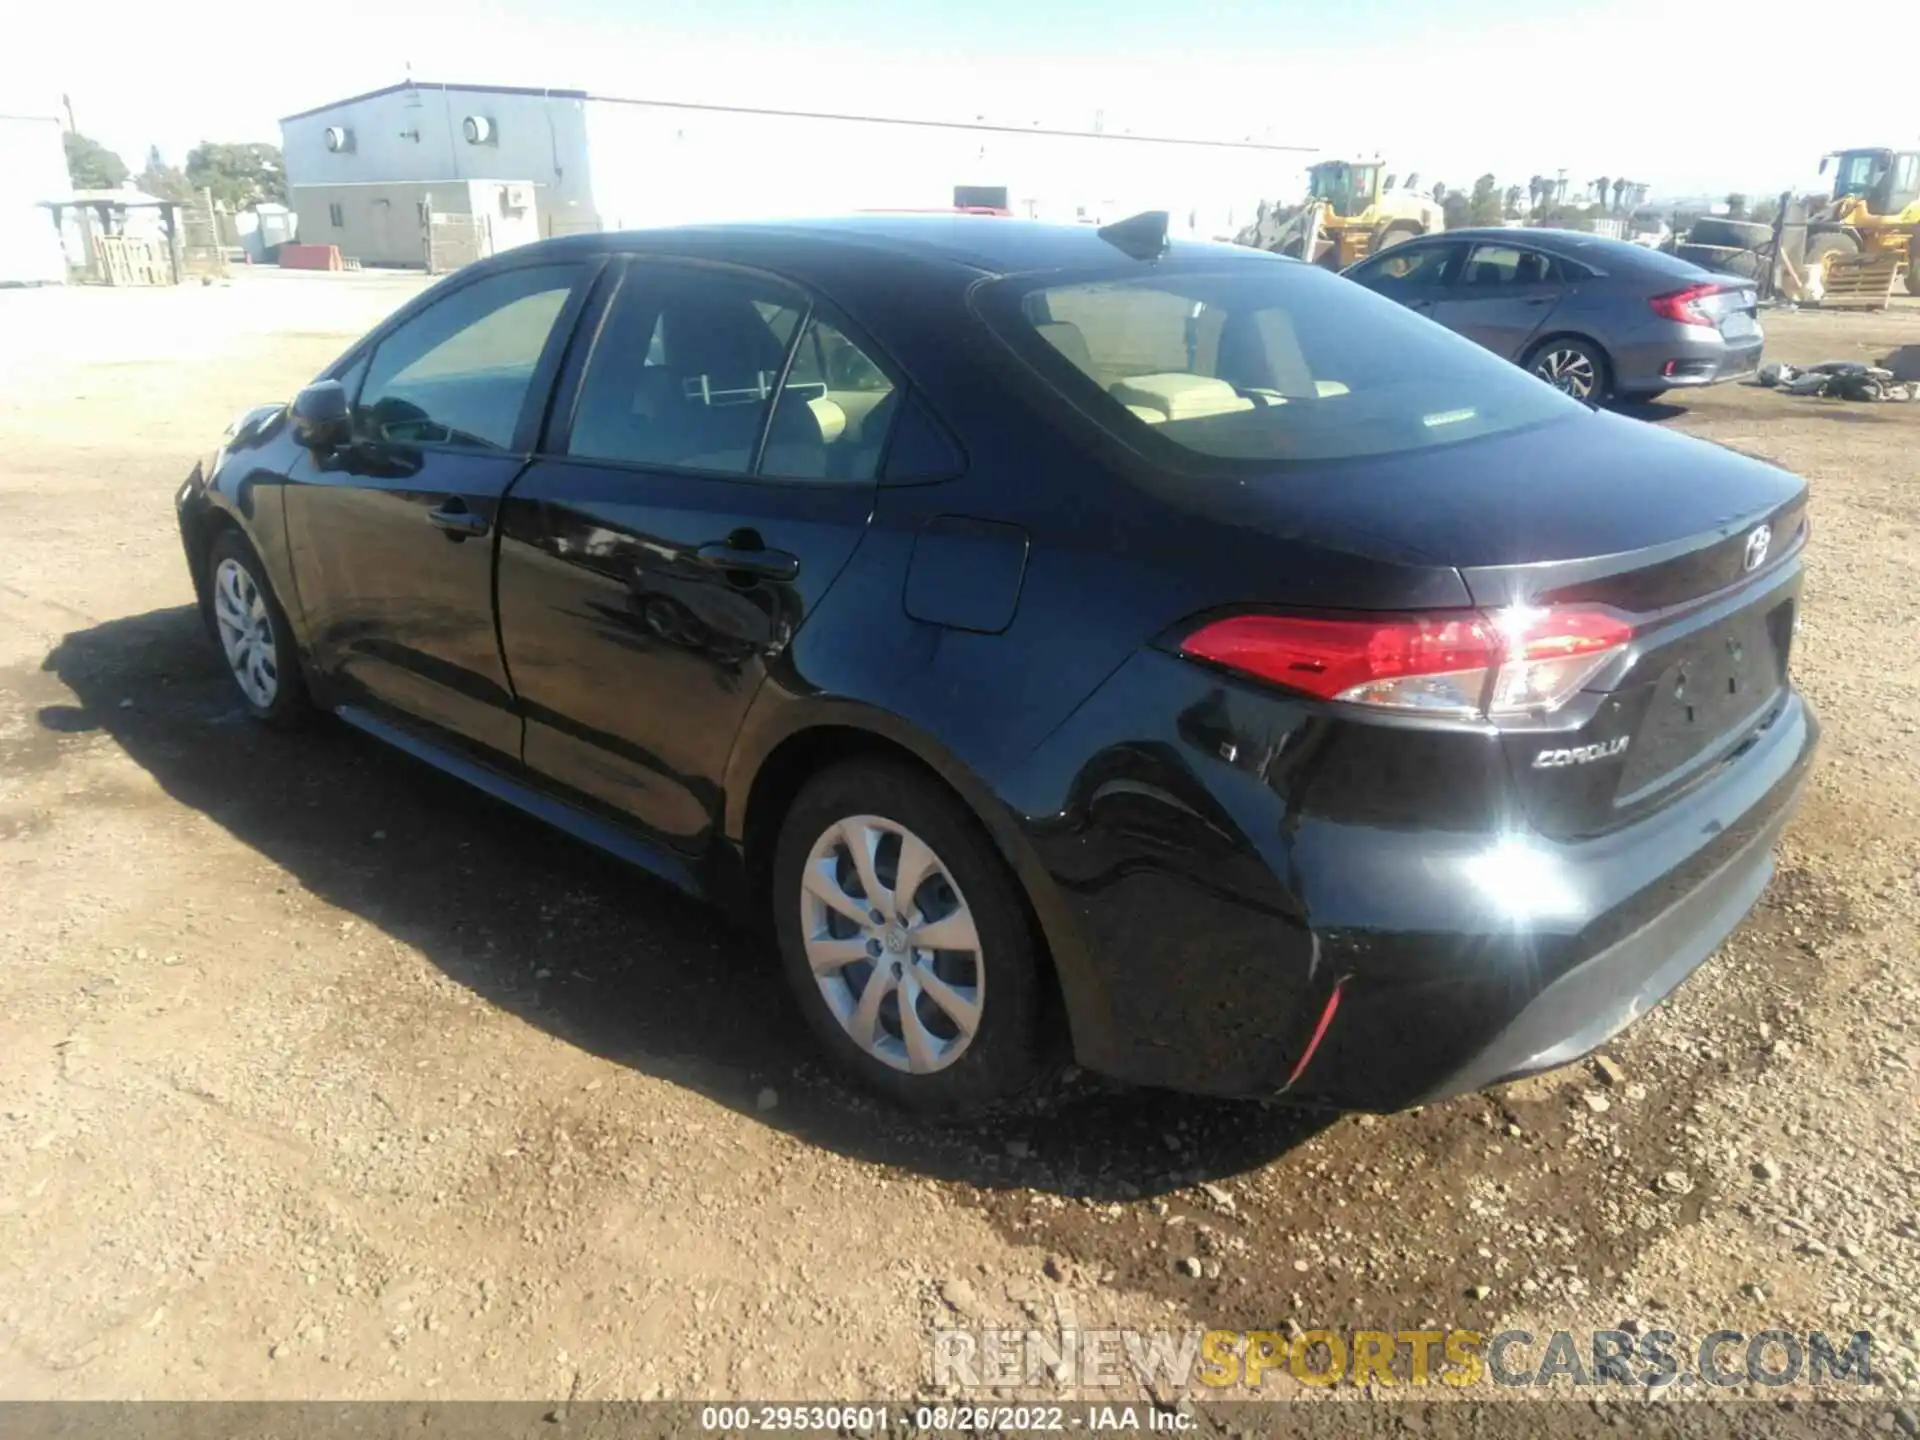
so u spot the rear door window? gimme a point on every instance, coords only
(731, 373)
(1260, 362)
(684, 369)
(1492, 267)
(832, 416)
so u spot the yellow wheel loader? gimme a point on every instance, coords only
(1875, 209)
(1349, 213)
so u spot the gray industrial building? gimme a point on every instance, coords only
(509, 164)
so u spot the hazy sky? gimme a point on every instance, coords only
(1445, 87)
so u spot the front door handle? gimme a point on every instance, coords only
(763, 564)
(457, 520)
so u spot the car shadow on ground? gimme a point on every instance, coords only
(1651, 411)
(586, 948)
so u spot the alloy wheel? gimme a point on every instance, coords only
(246, 633)
(892, 944)
(1569, 371)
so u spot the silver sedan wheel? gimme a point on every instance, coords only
(892, 944)
(1571, 372)
(246, 633)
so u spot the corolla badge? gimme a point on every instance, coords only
(1579, 754)
(1757, 544)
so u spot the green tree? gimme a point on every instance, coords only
(91, 166)
(1483, 208)
(161, 180)
(1736, 206)
(238, 175)
(1512, 201)
(1458, 209)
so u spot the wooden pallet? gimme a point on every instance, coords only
(127, 261)
(1862, 282)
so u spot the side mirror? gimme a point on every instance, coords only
(1823, 163)
(321, 417)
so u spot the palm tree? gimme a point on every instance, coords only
(1619, 194)
(1513, 202)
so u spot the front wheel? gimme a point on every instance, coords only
(254, 636)
(1573, 367)
(906, 942)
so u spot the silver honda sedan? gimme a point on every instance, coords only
(1599, 319)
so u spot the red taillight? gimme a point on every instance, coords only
(1684, 305)
(1454, 662)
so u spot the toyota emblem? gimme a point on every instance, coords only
(1757, 544)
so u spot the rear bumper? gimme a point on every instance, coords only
(1227, 880)
(1685, 357)
(1604, 994)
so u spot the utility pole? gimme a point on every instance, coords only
(67, 101)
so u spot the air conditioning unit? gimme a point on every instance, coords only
(339, 140)
(514, 198)
(479, 130)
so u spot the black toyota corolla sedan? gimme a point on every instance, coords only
(1068, 642)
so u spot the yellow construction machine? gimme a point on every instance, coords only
(1349, 213)
(1875, 209)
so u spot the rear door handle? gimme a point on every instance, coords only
(457, 520)
(765, 564)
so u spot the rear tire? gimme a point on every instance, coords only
(1396, 232)
(253, 634)
(957, 1026)
(1575, 367)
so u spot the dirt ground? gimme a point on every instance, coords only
(322, 1077)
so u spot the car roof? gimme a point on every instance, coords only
(1614, 257)
(1579, 243)
(988, 244)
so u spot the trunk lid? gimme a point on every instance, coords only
(1599, 511)
(1714, 606)
(1734, 309)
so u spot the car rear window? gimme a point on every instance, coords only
(1623, 254)
(1260, 362)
